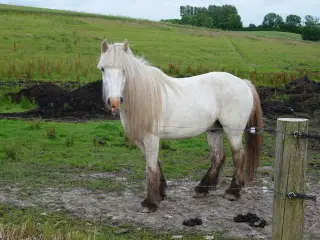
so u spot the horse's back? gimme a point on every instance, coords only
(204, 99)
(235, 99)
(229, 97)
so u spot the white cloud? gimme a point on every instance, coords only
(250, 11)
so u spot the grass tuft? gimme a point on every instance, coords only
(11, 151)
(51, 133)
(69, 142)
(35, 124)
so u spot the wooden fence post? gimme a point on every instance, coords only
(290, 171)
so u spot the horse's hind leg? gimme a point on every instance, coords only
(211, 178)
(238, 157)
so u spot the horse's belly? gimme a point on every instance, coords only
(188, 120)
(181, 132)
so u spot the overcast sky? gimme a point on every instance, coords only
(251, 11)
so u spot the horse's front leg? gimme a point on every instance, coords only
(154, 177)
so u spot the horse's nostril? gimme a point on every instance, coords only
(121, 100)
(109, 102)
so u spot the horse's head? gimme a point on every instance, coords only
(113, 73)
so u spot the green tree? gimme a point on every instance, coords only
(234, 22)
(272, 20)
(226, 12)
(215, 13)
(220, 15)
(310, 20)
(187, 20)
(203, 20)
(225, 16)
(182, 11)
(293, 20)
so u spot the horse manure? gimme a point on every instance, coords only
(252, 219)
(192, 222)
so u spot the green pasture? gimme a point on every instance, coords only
(43, 45)
(274, 34)
(30, 146)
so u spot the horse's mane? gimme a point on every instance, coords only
(143, 93)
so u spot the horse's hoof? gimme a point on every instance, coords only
(147, 210)
(200, 195)
(148, 207)
(230, 197)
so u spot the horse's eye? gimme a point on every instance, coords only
(102, 69)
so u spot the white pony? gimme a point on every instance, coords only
(154, 106)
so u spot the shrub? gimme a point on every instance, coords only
(311, 33)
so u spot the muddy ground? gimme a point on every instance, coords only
(217, 214)
(300, 98)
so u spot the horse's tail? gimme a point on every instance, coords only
(253, 140)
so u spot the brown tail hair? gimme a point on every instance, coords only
(253, 141)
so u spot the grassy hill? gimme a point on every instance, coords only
(62, 45)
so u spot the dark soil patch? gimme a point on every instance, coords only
(55, 102)
(300, 97)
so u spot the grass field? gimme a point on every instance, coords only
(32, 48)
(274, 34)
(70, 148)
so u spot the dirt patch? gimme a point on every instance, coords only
(300, 97)
(216, 213)
(55, 102)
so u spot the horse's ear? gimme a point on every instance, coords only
(125, 45)
(104, 46)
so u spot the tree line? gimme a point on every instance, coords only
(309, 27)
(223, 17)
(226, 17)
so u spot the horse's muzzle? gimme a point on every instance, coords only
(115, 103)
